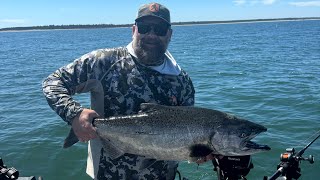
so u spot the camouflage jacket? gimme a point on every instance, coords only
(118, 84)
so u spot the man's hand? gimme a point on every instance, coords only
(82, 125)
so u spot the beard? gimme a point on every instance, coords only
(150, 51)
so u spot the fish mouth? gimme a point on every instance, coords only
(250, 145)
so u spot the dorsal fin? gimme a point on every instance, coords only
(151, 107)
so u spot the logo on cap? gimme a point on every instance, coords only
(154, 7)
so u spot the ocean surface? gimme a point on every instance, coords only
(267, 72)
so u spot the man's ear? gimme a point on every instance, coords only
(169, 34)
(134, 28)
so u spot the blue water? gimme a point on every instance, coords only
(268, 73)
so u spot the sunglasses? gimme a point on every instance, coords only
(158, 29)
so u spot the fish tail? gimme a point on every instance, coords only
(70, 140)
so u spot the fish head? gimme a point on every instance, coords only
(233, 138)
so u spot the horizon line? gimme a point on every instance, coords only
(76, 26)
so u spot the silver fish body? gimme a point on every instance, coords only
(178, 133)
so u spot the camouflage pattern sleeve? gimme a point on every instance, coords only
(59, 86)
(188, 93)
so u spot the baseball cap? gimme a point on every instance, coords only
(154, 9)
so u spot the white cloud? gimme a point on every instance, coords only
(267, 2)
(15, 21)
(306, 3)
(239, 2)
(253, 2)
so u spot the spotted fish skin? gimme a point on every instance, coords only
(177, 133)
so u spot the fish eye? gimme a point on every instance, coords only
(243, 135)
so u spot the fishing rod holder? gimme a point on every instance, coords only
(232, 167)
(12, 174)
(8, 173)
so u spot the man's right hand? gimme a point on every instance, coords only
(82, 125)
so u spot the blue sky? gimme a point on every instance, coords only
(15, 13)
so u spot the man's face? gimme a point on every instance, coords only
(151, 37)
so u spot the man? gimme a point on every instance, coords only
(119, 80)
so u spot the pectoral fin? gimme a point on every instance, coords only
(198, 151)
(111, 148)
(146, 163)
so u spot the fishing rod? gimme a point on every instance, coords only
(290, 161)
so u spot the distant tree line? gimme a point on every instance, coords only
(77, 26)
(92, 26)
(243, 21)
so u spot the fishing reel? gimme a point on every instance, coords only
(232, 167)
(290, 161)
(288, 167)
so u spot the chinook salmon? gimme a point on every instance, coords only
(176, 133)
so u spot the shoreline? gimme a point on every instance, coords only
(247, 22)
(191, 23)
